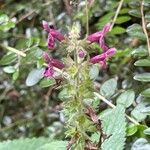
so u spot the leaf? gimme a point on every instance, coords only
(117, 30)
(140, 51)
(94, 71)
(142, 62)
(7, 25)
(24, 144)
(9, 69)
(147, 131)
(114, 125)
(56, 145)
(136, 31)
(135, 13)
(46, 82)
(146, 93)
(15, 75)
(3, 18)
(137, 111)
(126, 98)
(122, 19)
(144, 77)
(108, 88)
(131, 129)
(141, 144)
(8, 59)
(34, 77)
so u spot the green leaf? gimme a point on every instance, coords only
(94, 71)
(146, 93)
(6, 26)
(46, 82)
(135, 13)
(34, 77)
(142, 62)
(8, 59)
(136, 31)
(56, 145)
(144, 77)
(24, 144)
(108, 88)
(141, 144)
(131, 129)
(15, 75)
(117, 30)
(140, 51)
(114, 125)
(147, 131)
(3, 18)
(126, 98)
(122, 19)
(9, 69)
(137, 111)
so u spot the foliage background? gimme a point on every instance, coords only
(35, 111)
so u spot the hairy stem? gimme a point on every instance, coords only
(144, 26)
(87, 18)
(116, 14)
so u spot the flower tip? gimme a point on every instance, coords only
(45, 25)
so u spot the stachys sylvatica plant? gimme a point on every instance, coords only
(74, 72)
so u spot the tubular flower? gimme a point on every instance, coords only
(81, 53)
(103, 57)
(49, 70)
(98, 37)
(52, 35)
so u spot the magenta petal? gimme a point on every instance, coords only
(56, 63)
(45, 25)
(48, 72)
(57, 35)
(102, 44)
(111, 52)
(46, 57)
(51, 41)
(98, 58)
(106, 28)
(103, 64)
(94, 37)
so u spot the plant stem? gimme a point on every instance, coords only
(116, 14)
(87, 18)
(13, 50)
(144, 26)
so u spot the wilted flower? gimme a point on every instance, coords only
(98, 37)
(103, 57)
(49, 71)
(52, 35)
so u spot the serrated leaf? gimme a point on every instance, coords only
(108, 88)
(9, 69)
(46, 82)
(34, 77)
(126, 98)
(114, 125)
(141, 144)
(122, 19)
(146, 93)
(8, 59)
(144, 77)
(24, 144)
(136, 31)
(56, 145)
(143, 62)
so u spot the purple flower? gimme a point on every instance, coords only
(82, 53)
(52, 35)
(49, 71)
(103, 57)
(98, 37)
